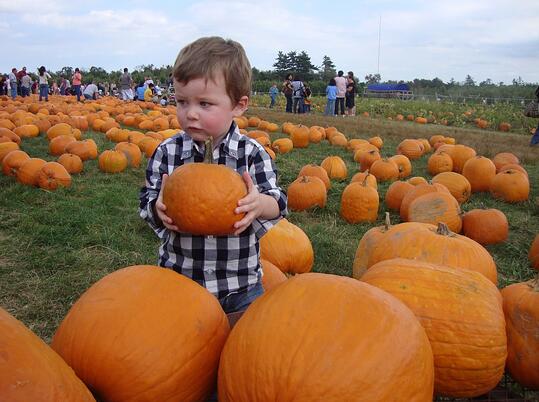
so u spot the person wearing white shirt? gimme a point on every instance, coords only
(341, 92)
(90, 91)
(43, 77)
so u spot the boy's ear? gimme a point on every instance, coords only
(241, 106)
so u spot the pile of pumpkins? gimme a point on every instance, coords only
(406, 329)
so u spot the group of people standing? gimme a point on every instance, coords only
(340, 92)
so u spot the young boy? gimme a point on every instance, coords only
(212, 82)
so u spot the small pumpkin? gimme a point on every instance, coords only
(53, 175)
(436, 207)
(300, 136)
(306, 192)
(485, 226)
(457, 184)
(395, 193)
(317, 171)
(272, 276)
(404, 165)
(335, 167)
(359, 203)
(510, 186)
(72, 163)
(28, 172)
(385, 170)
(111, 161)
(13, 161)
(480, 172)
(282, 145)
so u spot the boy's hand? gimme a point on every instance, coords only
(251, 204)
(161, 208)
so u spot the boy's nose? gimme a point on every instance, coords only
(192, 114)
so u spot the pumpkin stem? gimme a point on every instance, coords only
(387, 222)
(304, 179)
(208, 151)
(443, 230)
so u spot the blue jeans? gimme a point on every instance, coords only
(272, 103)
(25, 91)
(76, 91)
(43, 91)
(330, 108)
(288, 103)
(298, 105)
(240, 301)
(14, 91)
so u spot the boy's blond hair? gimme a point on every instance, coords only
(207, 57)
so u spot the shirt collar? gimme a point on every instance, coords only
(228, 144)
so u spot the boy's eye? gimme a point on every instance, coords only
(180, 102)
(205, 104)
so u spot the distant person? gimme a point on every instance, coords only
(26, 85)
(126, 86)
(341, 92)
(288, 91)
(20, 74)
(148, 93)
(298, 94)
(43, 78)
(76, 79)
(91, 91)
(13, 83)
(273, 92)
(350, 94)
(532, 110)
(307, 99)
(63, 86)
(139, 92)
(331, 94)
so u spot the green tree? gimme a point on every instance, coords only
(327, 69)
(469, 81)
(373, 78)
(283, 64)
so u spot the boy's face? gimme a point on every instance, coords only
(204, 109)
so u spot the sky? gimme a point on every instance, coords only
(400, 40)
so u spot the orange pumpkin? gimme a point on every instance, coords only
(13, 161)
(72, 163)
(438, 295)
(132, 153)
(366, 159)
(457, 184)
(300, 136)
(395, 193)
(359, 203)
(504, 158)
(22, 352)
(437, 245)
(258, 350)
(461, 154)
(112, 161)
(485, 226)
(58, 144)
(533, 254)
(306, 192)
(510, 186)
(113, 336)
(288, 247)
(403, 164)
(28, 172)
(366, 244)
(53, 175)
(272, 276)
(415, 192)
(195, 201)
(335, 167)
(317, 171)
(439, 162)
(436, 207)
(480, 172)
(385, 170)
(412, 149)
(365, 177)
(6, 148)
(282, 145)
(520, 305)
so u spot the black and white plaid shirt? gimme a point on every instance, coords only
(223, 264)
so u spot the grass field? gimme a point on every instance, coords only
(57, 244)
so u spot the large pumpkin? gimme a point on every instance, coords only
(53, 175)
(288, 247)
(462, 314)
(196, 200)
(521, 308)
(31, 371)
(317, 171)
(485, 226)
(437, 245)
(319, 337)
(144, 333)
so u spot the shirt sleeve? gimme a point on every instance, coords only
(264, 174)
(157, 166)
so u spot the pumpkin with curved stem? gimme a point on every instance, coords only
(365, 176)
(511, 186)
(485, 226)
(335, 167)
(22, 352)
(319, 317)
(53, 175)
(520, 305)
(306, 192)
(317, 171)
(144, 322)
(359, 203)
(474, 344)
(196, 200)
(480, 172)
(437, 245)
(287, 247)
